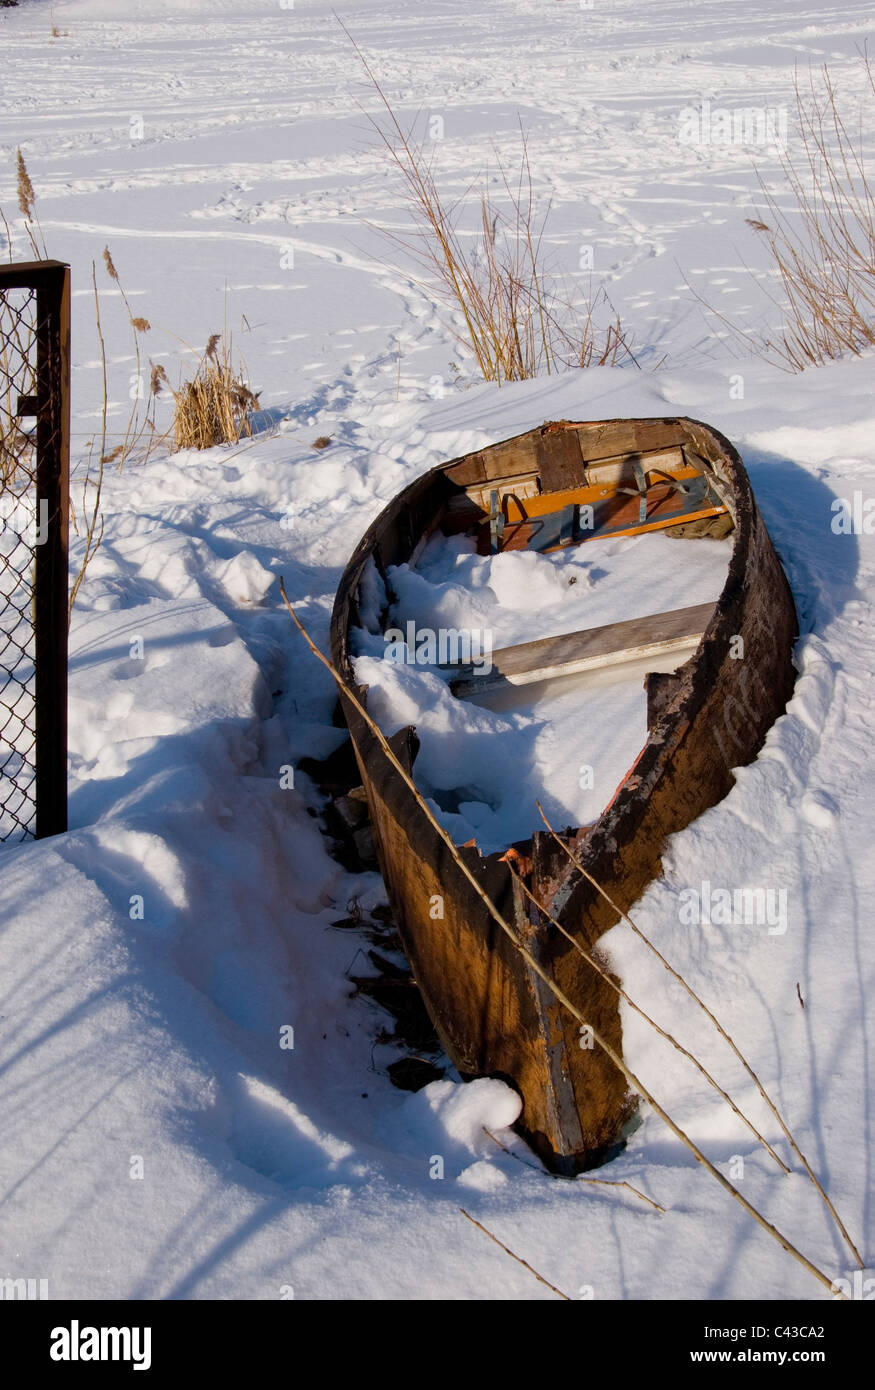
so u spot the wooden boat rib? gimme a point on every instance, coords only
(569, 483)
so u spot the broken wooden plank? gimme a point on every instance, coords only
(560, 461)
(661, 688)
(586, 650)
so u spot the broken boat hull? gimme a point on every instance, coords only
(493, 1015)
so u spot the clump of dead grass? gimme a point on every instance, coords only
(215, 406)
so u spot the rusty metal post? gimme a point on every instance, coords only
(50, 570)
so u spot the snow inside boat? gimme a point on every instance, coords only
(590, 615)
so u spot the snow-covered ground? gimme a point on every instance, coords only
(158, 1140)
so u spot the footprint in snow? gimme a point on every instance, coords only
(819, 809)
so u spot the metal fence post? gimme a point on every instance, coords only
(50, 571)
(34, 482)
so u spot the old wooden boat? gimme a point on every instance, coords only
(567, 483)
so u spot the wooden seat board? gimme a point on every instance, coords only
(584, 650)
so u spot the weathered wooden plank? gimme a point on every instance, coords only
(560, 461)
(602, 439)
(585, 650)
(513, 456)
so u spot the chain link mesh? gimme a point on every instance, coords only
(19, 534)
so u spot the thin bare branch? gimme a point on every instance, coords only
(519, 1259)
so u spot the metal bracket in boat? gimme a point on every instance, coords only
(695, 490)
(496, 522)
(640, 488)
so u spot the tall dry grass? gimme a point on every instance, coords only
(515, 317)
(821, 240)
(141, 434)
(92, 487)
(139, 438)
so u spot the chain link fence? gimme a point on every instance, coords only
(34, 460)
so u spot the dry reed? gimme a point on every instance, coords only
(519, 1259)
(141, 434)
(822, 246)
(27, 208)
(595, 1182)
(92, 517)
